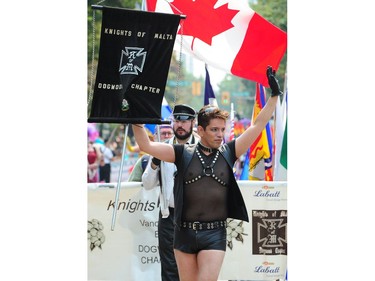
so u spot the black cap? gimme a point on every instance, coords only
(183, 112)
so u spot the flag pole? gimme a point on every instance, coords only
(231, 133)
(231, 112)
(119, 178)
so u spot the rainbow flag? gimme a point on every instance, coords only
(261, 149)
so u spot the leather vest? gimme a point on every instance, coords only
(235, 202)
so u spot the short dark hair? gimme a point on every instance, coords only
(209, 112)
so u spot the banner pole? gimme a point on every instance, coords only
(119, 178)
(99, 7)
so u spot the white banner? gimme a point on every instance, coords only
(255, 250)
(259, 248)
(129, 252)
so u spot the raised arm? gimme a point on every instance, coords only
(160, 150)
(244, 141)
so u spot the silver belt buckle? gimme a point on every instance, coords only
(194, 225)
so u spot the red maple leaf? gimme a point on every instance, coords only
(202, 20)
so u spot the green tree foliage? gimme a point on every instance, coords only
(275, 11)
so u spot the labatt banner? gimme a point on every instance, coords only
(134, 58)
(258, 250)
(255, 251)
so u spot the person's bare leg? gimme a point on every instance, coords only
(209, 264)
(187, 266)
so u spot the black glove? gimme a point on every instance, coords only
(274, 84)
(155, 161)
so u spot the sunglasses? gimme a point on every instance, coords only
(208, 110)
(166, 133)
(181, 121)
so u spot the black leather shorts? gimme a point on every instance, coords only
(192, 241)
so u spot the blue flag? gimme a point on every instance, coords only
(209, 95)
(245, 170)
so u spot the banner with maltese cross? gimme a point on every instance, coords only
(134, 58)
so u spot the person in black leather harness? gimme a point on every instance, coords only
(205, 190)
(161, 174)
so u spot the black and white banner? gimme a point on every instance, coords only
(134, 58)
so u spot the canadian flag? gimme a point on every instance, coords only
(228, 35)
